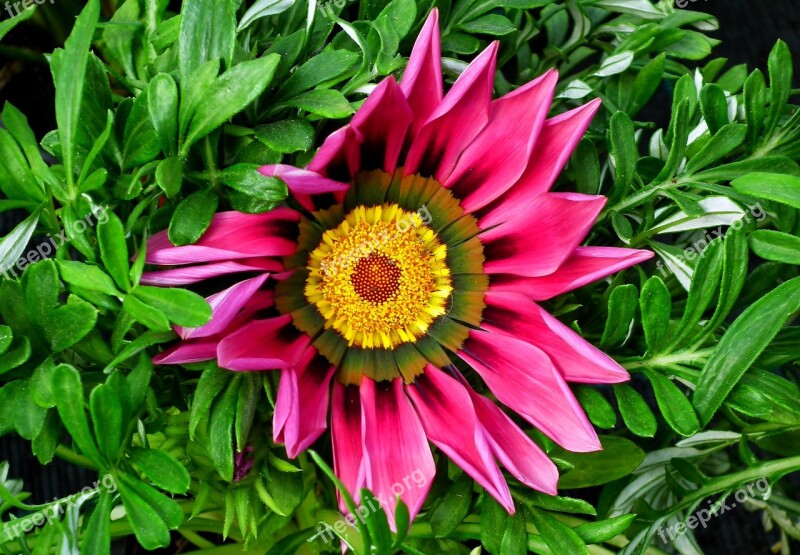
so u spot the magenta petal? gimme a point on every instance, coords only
(301, 408)
(575, 358)
(498, 156)
(347, 438)
(422, 78)
(456, 122)
(450, 422)
(518, 453)
(225, 305)
(263, 345)
(187, 352)
(397, 458)
(303, 182)
(524, 379)
(586, 265)
(192, 274)
(536, 243)
(231, 235)
(558, 138)
(338, 157)
(383, 121)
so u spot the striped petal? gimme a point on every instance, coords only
(193, 274)
(422, 78)
(348, 452)
(269, 344)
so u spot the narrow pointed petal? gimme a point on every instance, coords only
(225, 305)
(456, 122)
(268, 344)
(524, 379)
(231, 236)
(450, 422)
(346, 435)
(383, 121)
(422, 78)
(576, 359)
(338, 157)
(498, 156)
(538, 242)
(519, 454)
(301, 408)
(586, 265)
(187, 352)
(302, 182)
(193, 274)
(395, 447)
(558, 138)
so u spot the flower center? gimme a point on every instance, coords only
(380, 277)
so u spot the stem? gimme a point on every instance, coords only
(66, 454)
(667, 360)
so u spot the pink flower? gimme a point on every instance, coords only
(426, 235)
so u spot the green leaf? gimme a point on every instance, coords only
(621, 312)
(8, 24)
(16, 355)
(714, 107)
(169, 176)
(70, 404)
(287, 136)
(161, 468)
(325, 66)
(106, 411)
(453, 508)
(208, 32)
(623, 148)
(146, 314)
(676, 408)
(141, 144)
(655, 304)
(162, 101)
(727, 172)
(247, 179)
(646, 83)
(377, 524)
(491, 24)
(212, 382)
(755, 100)
(618, 458)
(185, 308)
(97, 537)
(114, 250)
(13, 245)
(221, 430)
(604, 530)
(515, 537)
(69, 68)
(231, 93)
(86, 276)
(744, 341)
(192, 217)
(193, 90)
(148, 525)
(679, 128)
(560, 538)
(494, 520)
(726, 140)
(264, 8)
(17, 124)
(775, 245)
(326, 103)
(635, 411)
(781, 188)
(780, 84)
(16, 179)
(597, 408)
(6, 337)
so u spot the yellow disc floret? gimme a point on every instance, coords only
(380, 277)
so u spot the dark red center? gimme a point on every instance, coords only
(376, 278)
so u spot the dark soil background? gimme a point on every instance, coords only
(748, 30)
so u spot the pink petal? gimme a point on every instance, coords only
(456, 122)
(192, 274)
(518, 453)
(498, 156)
(187, 352)
(301, 408)
(231, 235)
(558, 138)
(338, 157)
(225, 305)
(422, 78)
(538, 242)
(303, 182)
(575, 358)
(397, 458)
(348, 460)
(263, 345)
(586, 265)
(523, 378)
(450, 422)
(383, 121)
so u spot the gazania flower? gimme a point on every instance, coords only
(424, 236)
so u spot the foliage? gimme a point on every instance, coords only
(162, 118)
